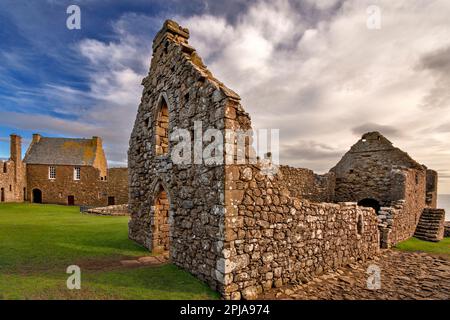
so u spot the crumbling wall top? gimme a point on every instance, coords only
(173, 30)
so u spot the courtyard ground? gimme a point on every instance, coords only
(39, 242)
(406, 273)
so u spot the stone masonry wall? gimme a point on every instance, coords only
(272, 238)
(89, 190)
(12, 174)
(178, 79)
(432, 184)
(118, 185)
(369, 169)
(406, 220)
(305, 184)
(7, 181)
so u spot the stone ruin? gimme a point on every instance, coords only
(235, 227)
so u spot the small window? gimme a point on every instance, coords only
(52, 173)
(77, 173)
(10, 187)
(5, 168)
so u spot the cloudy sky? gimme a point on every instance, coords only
(317, 70)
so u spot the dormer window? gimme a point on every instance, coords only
(52, 173)
(77, 173)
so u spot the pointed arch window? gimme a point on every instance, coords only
(162, 129)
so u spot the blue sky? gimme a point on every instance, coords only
(311, 68)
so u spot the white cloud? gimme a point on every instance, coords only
(322, 82)
(310, 68)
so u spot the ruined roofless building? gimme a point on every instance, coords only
(376, 174)
(12, 174)
(232, 226)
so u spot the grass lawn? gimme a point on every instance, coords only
(414, 244)
(38, 243)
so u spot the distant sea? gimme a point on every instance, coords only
(444, 203)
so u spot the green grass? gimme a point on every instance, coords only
(38, 242)
(414, 244)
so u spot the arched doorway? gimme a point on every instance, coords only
(370, 203)
(37, 196)
(160, 224)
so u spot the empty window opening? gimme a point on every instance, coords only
(370, 203)
(2, 196)
(5, 167)
(162, 130)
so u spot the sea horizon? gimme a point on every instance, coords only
(444, 203)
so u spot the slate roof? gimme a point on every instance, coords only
(62, 151)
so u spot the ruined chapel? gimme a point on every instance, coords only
(240, 230)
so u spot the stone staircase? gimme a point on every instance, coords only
(431, 225)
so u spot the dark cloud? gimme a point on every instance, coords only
(438, 61)
(309, 150)
(388, 131)
(438, 64)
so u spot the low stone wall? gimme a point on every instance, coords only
(272, 239)
(118, 210)
(305, 184)
(447, 229)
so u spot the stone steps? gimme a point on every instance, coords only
(431, 225)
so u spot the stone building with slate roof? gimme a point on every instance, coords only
(62, 171)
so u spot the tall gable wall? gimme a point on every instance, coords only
(195, 192)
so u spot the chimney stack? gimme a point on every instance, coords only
(16, 148)
(36, 138)
(97, 141)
